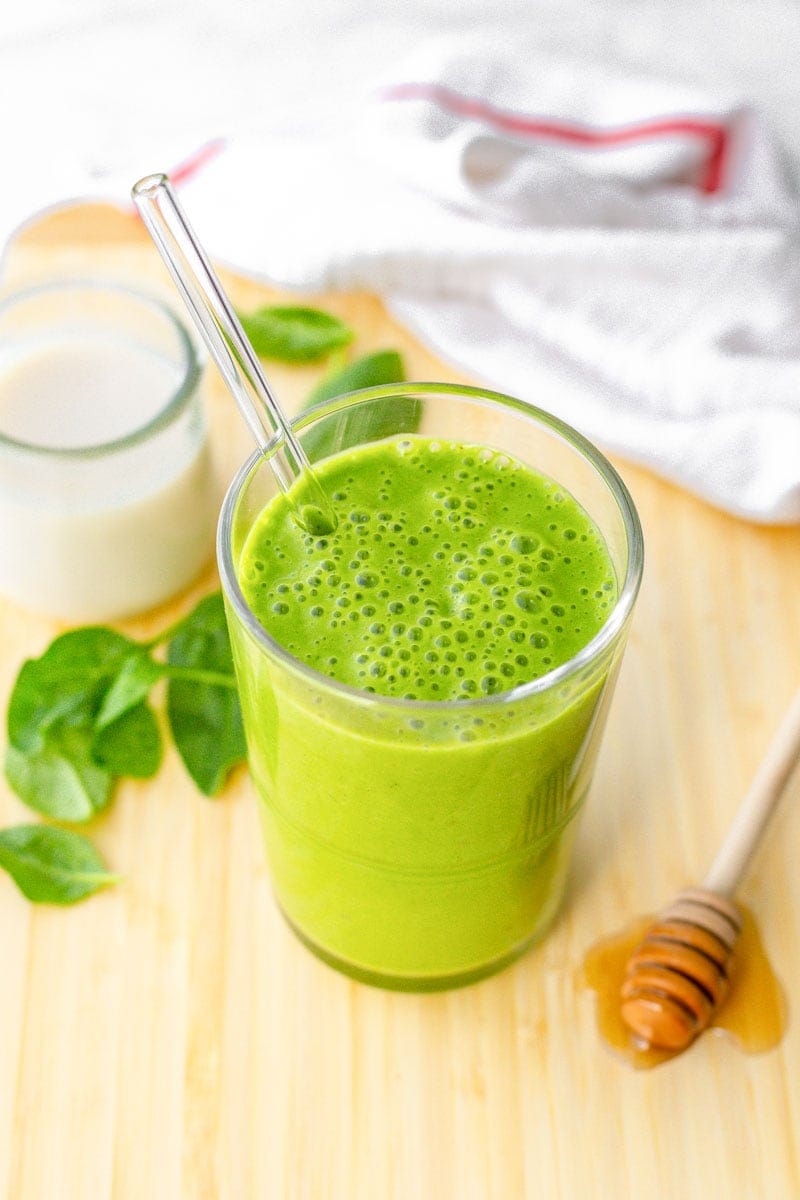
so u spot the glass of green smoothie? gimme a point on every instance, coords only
(424, 688)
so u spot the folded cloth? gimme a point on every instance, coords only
(620, 251)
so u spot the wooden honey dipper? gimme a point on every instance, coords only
(678, 975)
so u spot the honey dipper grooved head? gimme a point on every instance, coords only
(678, 975)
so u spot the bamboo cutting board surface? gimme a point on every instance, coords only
(169, 1038)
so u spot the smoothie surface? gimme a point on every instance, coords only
(455, 572)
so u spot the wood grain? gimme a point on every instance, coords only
(170, 1038)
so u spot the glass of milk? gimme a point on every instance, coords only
(107, 504)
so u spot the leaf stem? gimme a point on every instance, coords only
(166, 635)
(194, 675)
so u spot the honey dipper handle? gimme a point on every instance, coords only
(757, 806)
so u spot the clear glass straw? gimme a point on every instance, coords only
(230, 348)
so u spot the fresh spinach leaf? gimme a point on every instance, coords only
(131, 745)
(51, 865)
(65, 684)
(294, 335)
(385, 366)
(136, 676)
(363, 422)
(205, 719)
(57, 762)
(78, 717)
(60, 778)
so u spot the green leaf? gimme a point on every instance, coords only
(205, 719)
(65, 683)
(385, 366)
(137, 675)
(295, 335)
(363, 423)
(131, 745)
(60, 779)
(52, 761)
(50, 865)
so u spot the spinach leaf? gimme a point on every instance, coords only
(205, 719)
(69, 727)
(294, 335)
(65, 684)
(363, 423)
(385, 366)
(60, 778)
(136, 676)
(131, 745)
(78, 717)
(51, 865)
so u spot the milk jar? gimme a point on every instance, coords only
(107, 503)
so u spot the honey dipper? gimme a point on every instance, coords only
(678, 975)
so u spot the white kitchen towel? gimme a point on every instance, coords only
(621, 251)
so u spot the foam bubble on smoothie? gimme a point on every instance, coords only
(455, 572)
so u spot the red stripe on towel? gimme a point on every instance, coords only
(538, 128)
(191, 165)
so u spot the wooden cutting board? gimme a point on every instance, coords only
(170, 1038)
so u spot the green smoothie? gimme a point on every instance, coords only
(423, 844)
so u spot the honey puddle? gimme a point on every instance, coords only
(753, 1015)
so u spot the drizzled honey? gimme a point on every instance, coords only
(753, 1014)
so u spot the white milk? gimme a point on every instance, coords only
(91, 529)
(83, 392)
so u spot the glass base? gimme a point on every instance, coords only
(417, 983)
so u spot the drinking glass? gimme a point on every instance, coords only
(423, 845)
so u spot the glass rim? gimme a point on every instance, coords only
(191, 368)
(594, 648)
